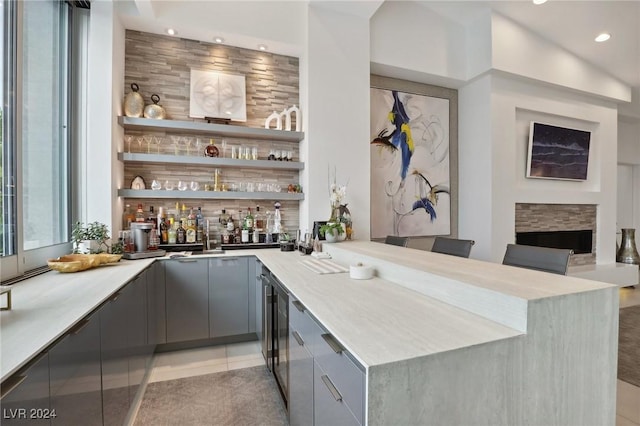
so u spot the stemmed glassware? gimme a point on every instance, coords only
(128, 139)
(200, 144)
(176, 144)
(156, 185)
(182, 185)
(157, 140)
(187, 145)
(140, 141)
(224, 148)
(148, 139)
(194, 185)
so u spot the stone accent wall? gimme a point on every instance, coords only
(559, 217)
(161, 64)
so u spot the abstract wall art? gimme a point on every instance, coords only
(410, 170)
(217, 95)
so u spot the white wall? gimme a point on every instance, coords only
(335, 94)
(101, 171)
(408, 36)
(499, 129)
(628, 141)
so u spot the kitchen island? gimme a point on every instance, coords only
(442, 340)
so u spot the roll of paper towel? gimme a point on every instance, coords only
(361, 272)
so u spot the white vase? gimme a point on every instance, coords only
(343, 236)
(330, 236)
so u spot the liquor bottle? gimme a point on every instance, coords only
(211, 150)
(258, 222)
(244, 239)
(140, 214)
(238, 229)
(225, 236)
(199, 225)
(191, 229)
(183, 216)
(154, 241)
(181, 234)
(277, 219)
(224, 218)
(255, 238)
(172, 235)
(128, 217)
(159, 218)
(248, 220)
(152, 218)
(164, 231)
(230, 226)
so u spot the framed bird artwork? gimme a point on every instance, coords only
(410, 164)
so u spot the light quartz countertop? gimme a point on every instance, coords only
(377, 320)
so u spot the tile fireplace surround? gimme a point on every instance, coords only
(559, 217)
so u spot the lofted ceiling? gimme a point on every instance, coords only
(572, 25)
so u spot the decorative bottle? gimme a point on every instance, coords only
(628, 253)
(211, 150)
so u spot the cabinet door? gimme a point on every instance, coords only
(257, 290)
(187, 282)
(300, 381)
(328, 407)
(75, 376)
(229, 296)
(115, 360)
(156, 305)
(135, 295)
(253, 266)
(25, 395)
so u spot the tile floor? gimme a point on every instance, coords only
(194, 362)
(200, 361)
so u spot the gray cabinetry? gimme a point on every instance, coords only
(300, 370)
(228, 296)
(156, 305)
(187, 292)
(75, 375)
(257, 297)
(326, 384)
(25, 395)
(115, 359)
(135, 295)
(328, 406)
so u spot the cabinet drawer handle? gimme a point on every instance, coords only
(334, 392)
(9, 385)
(333, 344)
(298, 338)
(299, 306)
(226, 259)
(187, 260)
(262, 277)
(78, 327)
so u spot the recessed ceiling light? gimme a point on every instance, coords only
(603, 37)
(171, 31)
(262, 47)
(539, 1)
(218, 40)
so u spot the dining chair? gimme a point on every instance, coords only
(543, 259)
(396, 241)
(452, 246)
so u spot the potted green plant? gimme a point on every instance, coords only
(331, 231)
(91, 238)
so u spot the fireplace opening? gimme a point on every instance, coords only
(578, 241)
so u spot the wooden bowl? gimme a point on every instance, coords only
(68, 265)
(92, 259)
(108, 258)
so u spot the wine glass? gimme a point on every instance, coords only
(224, 148)
(156, 185)
(169, 185)
(140, 141)
(182, 185)
(200, 144)
(187, 145)
(157, 140)
(176, 144)
(148, 139)
(128, 139)
(194, 185)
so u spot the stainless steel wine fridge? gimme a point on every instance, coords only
(275, 330)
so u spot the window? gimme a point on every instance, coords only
(36, 166)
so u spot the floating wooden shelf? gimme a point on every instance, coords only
(209, 195)
(195, 127)
(208, 161)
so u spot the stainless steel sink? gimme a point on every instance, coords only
(206, 252)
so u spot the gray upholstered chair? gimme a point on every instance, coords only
(452, 246)
(543, 259)
(396, 241)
